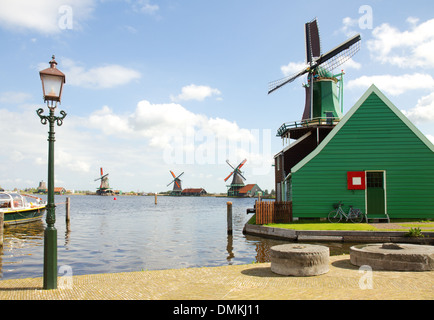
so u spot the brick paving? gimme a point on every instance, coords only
(239, 282)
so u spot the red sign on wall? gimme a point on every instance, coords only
(356, 180)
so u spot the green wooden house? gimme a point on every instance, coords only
(374, 159)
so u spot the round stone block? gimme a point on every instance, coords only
(299, 259)
(393, 256)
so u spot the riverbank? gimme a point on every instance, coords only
(379, 233)
(240, 282)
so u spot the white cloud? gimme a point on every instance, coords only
(348, 25)
(14, 97)
(194, 92)
(183, 137)
(42, 16)
(407, 49)
(292, 68)
(423, 111)
(351, 64)
(160, 123)
(71, 162)
(108, 122)
(103, 77)
(394, 85)
(137, 147)
(143, 6)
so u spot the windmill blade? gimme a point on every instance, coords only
(337, 56)
(227, 161)
(170, 183)
(102, 175)
(177, 184)
(229, 176)
(274, 85)
(313, 44)
(172, 174)
(179, 175)
(239, 173)
(242, 164)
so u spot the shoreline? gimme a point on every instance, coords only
(336, 236)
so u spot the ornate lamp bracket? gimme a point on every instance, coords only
(51, 118)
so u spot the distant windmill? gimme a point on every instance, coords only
(104, 188)
(177, 189)
(237, 180)
(321, 97)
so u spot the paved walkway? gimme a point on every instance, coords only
(240, 282)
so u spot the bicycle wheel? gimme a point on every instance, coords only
(356, 216)
(334, 216)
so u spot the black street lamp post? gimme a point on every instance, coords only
(52, 83)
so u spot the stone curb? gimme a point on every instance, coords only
(344, 236)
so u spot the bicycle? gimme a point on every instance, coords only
(354, 215)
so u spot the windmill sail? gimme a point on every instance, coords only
(104, 187)
(329, 61)
(318, 68)
(237, 180)
(238, 177)
(313, 44)
(308, 104)
(176, 182)
(339, 55)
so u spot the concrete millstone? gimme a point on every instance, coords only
(393, 256)
(299, 259)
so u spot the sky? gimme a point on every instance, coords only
(153, 86)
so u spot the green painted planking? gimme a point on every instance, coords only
(381, 141)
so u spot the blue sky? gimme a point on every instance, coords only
(153, 86)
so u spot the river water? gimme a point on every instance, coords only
(132, 233)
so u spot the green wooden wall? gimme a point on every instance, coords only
(374, 135)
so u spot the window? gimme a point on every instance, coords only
(329, 117)
(375, 179)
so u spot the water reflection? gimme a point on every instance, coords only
(230, 248)
(132, 233)
(19, 243)
(67, 234)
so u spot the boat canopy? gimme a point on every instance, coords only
(12, 200)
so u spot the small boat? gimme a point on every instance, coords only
(17, 209)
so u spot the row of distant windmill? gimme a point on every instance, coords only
(233, 188)
(237, 181)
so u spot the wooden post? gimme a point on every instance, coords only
(2, 221)
(229, 217)
(67, 208)
(155, 198)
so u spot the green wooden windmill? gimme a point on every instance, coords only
(324, 90)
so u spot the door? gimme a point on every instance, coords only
(375, 193)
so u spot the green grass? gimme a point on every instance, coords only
(317, 224)
(324, 226)
(424, 225)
